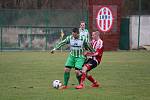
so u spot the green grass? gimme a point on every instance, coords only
(28, 76)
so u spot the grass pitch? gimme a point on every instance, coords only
(29, 75)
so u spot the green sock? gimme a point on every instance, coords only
(78, 78)
(66, 78)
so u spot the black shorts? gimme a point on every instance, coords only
(90, 63)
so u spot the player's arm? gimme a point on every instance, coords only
(88, 46)
(91, 53)
(99, 52)
(60, 44)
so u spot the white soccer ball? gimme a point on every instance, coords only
(56, 84)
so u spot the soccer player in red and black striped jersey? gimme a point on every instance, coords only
(93, 61)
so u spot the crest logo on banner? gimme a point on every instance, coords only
(104, 19)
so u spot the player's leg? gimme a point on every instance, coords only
(87, 67)
(78, 74)
(78, 67)
(84, 70)
(66, 75)
(69, 64)
(90, 77)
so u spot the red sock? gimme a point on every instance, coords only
(90, 78)
(83, 77)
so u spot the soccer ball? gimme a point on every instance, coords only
(56, 84)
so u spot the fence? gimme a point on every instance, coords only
(32, 38)
(37, 29)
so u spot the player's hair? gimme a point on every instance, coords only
(97, 32)
(75, 30)
(82, 21)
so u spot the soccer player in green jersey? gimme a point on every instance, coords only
(83, 31)
(76, 58)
